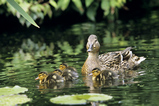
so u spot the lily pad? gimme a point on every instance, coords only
(11, 91)
(79, 99)
(13, 100)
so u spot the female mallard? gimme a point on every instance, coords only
(69, 73)
(44, 77)
(98, 75)
(114, 61)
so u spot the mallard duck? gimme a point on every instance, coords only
(69, 73)
(44, 77)
(98, 75)
(114, 61)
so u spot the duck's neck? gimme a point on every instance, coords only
(93, 55)
(92, 61)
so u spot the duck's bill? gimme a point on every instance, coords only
(90, 48)
(37, 78)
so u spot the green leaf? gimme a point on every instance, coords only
(13, 100)
(53, 3)
(63, 4)
(80, 99)
(2, 2)
(11, 91)
(22, 12)
(92, 10)
(78, 5)
(88, 2)
(105, 5)
(113, 3)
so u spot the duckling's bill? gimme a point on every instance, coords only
(37, 78)
(90, 74)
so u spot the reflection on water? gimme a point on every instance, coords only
(21, 62)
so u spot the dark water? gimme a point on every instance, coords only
(24, 54)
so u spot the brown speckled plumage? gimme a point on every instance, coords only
(114, 61)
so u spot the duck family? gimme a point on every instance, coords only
(116, 62)
(101, 67)
(64, 73)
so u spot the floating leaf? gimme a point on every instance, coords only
(11, 91)
(79, 99)
(22, 12)
(13, 100)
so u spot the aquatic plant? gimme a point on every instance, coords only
(38, 9)
(9, 96)
(80, 99)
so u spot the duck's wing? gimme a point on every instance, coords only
(114, 59)
(127, 53)
(110, 59)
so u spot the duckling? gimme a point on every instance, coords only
(98, 75)
(44, 77)
(113, 61)
(69, 73)
(58, 71)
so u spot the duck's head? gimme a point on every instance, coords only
(58, 71)
(95, 72)
(41, 77)
(63, 66)
(93, 44)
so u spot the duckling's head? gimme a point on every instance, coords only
(93, 45)
(95, 72)
(58, 71)
(63, 66)
(41, 77)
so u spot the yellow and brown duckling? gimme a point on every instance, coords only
(44, 77)
(113, 61)
(98, 75)
(69, 73)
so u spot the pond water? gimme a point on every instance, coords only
(24, 54)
